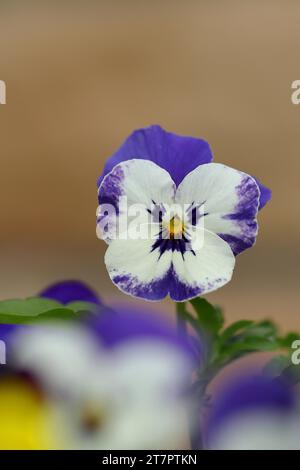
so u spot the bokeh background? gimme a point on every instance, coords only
(81, 75)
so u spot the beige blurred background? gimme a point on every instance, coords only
(81, 75)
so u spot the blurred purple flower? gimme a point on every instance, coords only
(125, 324)
(117, 381)
(6, 331)
(248, 397)
(70, 291)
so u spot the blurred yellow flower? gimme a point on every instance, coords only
(22, 416)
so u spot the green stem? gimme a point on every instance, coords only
(183, 320)
(181, 317)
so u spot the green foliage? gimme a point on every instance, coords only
(209, 317)
(83, 307)
(235, 328)
(224, 345)
(37, 309)
(287, 340)
(27, 307)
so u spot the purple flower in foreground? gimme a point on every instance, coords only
(70, 291)
(192, 251)
(128, 324)
(120, 382)
(6, 333)
(253, 412)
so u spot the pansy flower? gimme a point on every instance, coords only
(186, 251)
(110, 388)
(253, 412)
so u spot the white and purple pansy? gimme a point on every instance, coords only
(194, 216)
(253, 412)
(111, 381)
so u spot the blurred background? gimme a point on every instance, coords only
(81, 75)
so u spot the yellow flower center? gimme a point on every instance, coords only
(175, 226)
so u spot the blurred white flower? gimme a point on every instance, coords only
(128, 397)
(259, 430)
(254, 412)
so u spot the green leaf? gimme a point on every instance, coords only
(255, 344)
(54, 315)
(81, 307)
(27, 307)
(234, 328)
(32, 310)
(287, 340)
(210, 318)
(263, 329)
(246, 332)
(238, 349)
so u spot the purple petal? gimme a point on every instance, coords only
(243, 217)
(7, 330)
(7, 335)
(248, 393)
(70, 291)
(265, 194)
(177, 154)
(116, 327)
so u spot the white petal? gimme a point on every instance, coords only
(258, 430)
(127, 194)
(155, 367)
(230, 201)
(206, 267)
(59, 356)
(144, 182)
(137, 270)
